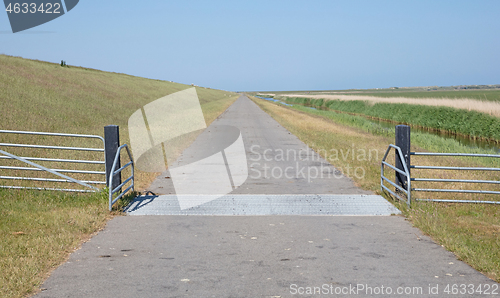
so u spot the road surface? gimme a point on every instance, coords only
(265, 251)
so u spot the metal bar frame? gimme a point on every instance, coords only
(114, 172)
(57, 172)
(406, 173)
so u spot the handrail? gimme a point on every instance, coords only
(114, 172)
(404, 172)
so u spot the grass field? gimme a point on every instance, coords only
(441, 118)
(484, 99)
(434, 92)
(471, 231)
(488, 95)
(38, 230)
(483, 106)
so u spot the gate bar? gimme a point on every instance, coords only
(455, 168)
(454, 154)
(97, 162)
(47, 179)
(458, 201)
(52, 134)
(55, 170)
(52, 147)
(455, 180)
(41, 188)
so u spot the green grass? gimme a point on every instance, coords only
(471, 231)
(43, 96)
(38, 229)
(458, 121)
(429, 142)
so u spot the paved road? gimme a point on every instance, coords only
(261, 255)
(280, 169)
(279, 163)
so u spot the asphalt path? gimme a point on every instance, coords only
(278, 162)
(281, 169)
(266, 255)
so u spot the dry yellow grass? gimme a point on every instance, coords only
(488, 107)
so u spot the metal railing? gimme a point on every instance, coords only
(404, 172)
(456, 180)
(112, 189)
(37, 167)
(407, 190)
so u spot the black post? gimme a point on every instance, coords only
(111, 144)
(403, 142)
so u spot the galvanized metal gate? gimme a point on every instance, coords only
(403, 186)
(89, 185)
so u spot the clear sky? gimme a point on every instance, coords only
(275, 45)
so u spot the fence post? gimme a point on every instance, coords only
(111, 144)
(403, 142)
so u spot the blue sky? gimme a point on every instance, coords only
(275, 45)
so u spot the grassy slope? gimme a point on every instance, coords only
(44, 96)
(471, 231)
(39, 229)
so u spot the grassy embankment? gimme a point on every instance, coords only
(471, 231)
(39, 229)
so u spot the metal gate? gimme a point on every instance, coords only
(7, 159)
(403, 191)
(403, 165)
(456, 180)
